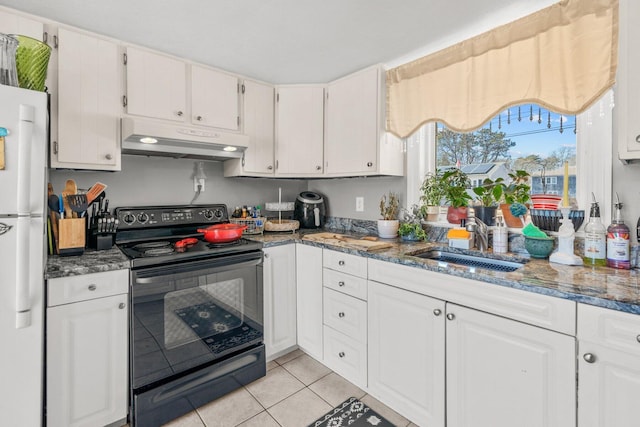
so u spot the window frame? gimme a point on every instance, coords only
(594, 158)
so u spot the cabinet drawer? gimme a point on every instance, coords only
(345, 314)
(613, 329)
(345, 356)
(345, 283)
(66, 290)
(345, 263)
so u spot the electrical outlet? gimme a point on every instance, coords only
(359, 204)
(197, 182)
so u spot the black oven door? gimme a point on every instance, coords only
(192, 315)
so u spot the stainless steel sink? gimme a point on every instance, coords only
(471, 261)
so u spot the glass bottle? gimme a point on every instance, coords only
(618, 241)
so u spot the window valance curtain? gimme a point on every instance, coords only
(563, 57)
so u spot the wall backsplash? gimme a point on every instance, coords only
(147, 181)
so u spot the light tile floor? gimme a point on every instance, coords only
(296, 391)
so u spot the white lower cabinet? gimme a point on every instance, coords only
(309, 299)
(503, 373)
(608, 367)
(406, 353)
(279, 298)
(87, 350)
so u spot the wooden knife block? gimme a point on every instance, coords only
(71, 236)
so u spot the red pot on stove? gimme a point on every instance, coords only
(222, 233)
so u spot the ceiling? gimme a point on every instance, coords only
(286, 41)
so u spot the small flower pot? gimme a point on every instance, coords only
(509, 219)
(455, 215)
(432, 213)
(388, 229)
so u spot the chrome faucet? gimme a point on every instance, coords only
(480, 231)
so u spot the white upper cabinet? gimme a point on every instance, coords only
(89, 88)
(627, 108)
(258, 114)
(214, 98)
(11, 23)
(299, 130)
(156, 85)
(355, 142)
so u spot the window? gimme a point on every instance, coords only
(592, 153)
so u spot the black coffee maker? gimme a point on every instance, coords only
(310, 210)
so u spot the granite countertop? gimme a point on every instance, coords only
(600, 286)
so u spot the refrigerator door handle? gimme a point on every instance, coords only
(25, 140)
(23, 299)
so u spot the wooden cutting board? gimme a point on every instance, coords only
(347, 242)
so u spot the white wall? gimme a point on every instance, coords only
(147, 181)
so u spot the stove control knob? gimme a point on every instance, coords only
(143, 218)
(129, 218)
(218, 213)
(208, 214)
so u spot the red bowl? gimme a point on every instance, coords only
(545, 201)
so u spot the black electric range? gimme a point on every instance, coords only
(148, 235)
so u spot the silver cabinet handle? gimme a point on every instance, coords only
(179, 113)
(589, 357)
(340, 262)
(122, 305)
(341, 354)
(318, 168)
(199, 118)
(451, 316)
(638, 338)
(108, 157)
(92, 287)
(341, 314)
(269, 167)
(369, 164)
(437, 312)
(266, 255)
(341, 283)
(638, 138)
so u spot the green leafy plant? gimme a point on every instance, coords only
(411, 226)
(490, 192)
(432, 189)
(389, 205)
(455, 184)
(517, 191)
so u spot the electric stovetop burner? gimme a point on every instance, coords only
(148, 235)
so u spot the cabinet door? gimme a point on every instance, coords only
(258, 125)
(279, 298)
(300, 123)
(309, 299)
(351, 142)
(156, 85)
(503, 373)
(609, 387)
(628, 85)
(88, 103)
(406, 353)
(87, 355)
(214, 98)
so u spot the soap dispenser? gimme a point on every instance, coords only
(500, 235)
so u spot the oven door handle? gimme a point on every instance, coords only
(156, 275)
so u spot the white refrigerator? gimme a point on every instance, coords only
(23, 118)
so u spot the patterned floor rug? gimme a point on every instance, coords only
(351, 413)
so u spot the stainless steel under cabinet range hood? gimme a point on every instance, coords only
(152, 138)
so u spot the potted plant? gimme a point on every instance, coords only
(488, 195)
(410, 227)
(517, 191)
(432, 194)
(389, 224)
(455, 184)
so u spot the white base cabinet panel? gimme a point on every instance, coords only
(503, 373)
(87, 354)
(309, 299)
(279, 272)
(406, 353)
